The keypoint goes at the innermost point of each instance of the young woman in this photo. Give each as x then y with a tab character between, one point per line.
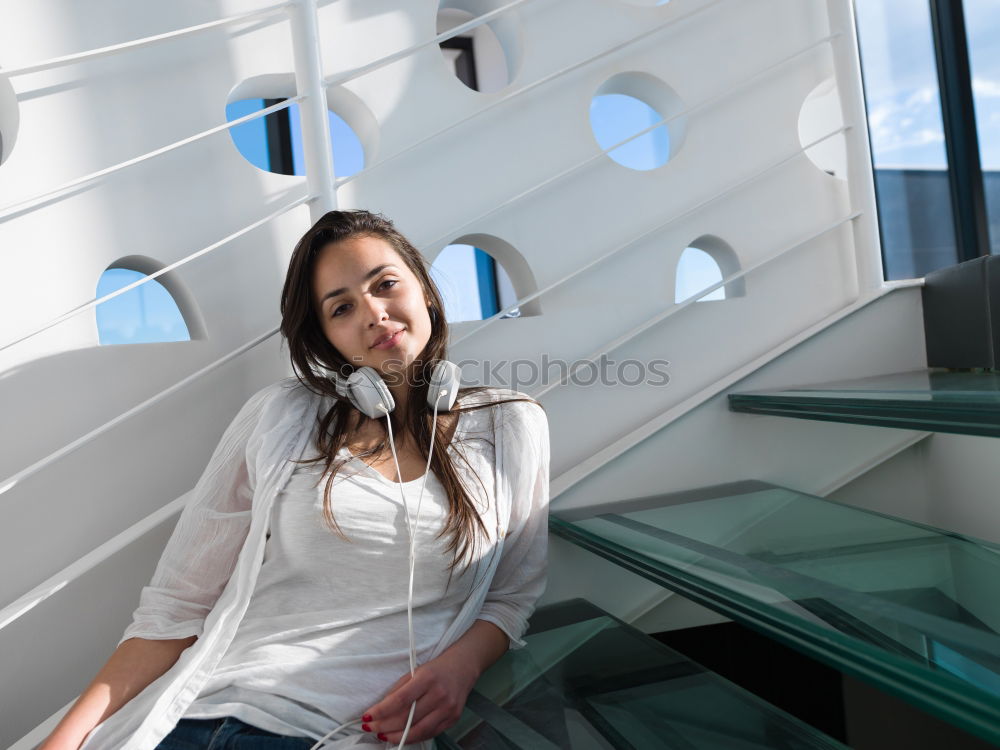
280	609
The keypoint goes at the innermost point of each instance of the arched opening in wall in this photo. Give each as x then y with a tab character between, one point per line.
486	58
479	275
820	115
705	262
629	103
273	143
9	118
157	311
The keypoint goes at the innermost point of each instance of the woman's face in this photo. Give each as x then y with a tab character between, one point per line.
364	293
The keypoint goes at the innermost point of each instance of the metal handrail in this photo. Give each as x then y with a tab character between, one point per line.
21	206
38	465
457	231
42	463
349	75
612	253
706	103
113	49
56	582
166	269
678	307
530	87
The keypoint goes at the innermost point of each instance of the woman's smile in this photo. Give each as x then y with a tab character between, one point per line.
391	342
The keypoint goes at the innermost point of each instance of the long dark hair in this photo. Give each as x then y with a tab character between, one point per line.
309	349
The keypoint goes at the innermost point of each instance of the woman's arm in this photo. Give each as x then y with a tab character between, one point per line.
476	651
133	666
440	687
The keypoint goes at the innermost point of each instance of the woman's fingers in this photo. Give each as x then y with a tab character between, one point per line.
396	721
428	727
390	714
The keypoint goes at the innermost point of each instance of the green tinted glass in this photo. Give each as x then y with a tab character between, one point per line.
936	401
907	607
588	681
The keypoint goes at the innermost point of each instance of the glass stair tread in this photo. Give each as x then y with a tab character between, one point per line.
907	607
588	681
967	403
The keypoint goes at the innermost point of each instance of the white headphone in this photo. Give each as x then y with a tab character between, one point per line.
366	390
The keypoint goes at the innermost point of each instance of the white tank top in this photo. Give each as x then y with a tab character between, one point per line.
325	631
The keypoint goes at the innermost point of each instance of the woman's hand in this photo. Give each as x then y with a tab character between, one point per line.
440	688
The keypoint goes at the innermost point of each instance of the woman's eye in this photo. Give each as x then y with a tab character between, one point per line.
393	282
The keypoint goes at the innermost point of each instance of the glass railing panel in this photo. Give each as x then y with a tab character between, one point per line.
909	607
588	681
933	400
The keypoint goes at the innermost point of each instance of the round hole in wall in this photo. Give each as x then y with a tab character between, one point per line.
486	58
630	103
9	117
159	310
821	115
705	262
274	143
479	275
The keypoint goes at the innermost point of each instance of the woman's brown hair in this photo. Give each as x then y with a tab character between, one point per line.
311	352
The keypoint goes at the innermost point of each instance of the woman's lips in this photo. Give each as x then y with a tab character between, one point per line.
390	342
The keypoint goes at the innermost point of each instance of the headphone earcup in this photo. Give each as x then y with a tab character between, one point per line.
446	379
366	390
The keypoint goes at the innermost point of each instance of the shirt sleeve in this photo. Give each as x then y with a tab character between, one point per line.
521	572
201	553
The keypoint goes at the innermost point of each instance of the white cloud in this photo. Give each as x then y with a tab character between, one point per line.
985	88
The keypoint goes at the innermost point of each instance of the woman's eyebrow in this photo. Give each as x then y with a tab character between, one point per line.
371	274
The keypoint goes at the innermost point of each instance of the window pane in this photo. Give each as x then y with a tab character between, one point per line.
907	136
982	22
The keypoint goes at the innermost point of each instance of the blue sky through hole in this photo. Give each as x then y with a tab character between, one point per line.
615	117
251	139
697	270
145	314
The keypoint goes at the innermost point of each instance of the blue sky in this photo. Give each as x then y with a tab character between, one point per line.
904	110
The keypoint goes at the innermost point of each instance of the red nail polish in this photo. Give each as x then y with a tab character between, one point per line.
366	717
381	736
366	727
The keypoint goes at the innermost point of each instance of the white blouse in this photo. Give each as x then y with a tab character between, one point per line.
214	561
326	628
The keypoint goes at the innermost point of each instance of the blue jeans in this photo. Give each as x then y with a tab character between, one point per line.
228	733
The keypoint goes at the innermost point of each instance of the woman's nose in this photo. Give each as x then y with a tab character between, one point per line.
376	310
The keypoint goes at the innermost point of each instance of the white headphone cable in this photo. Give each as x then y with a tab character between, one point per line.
409	601
402	495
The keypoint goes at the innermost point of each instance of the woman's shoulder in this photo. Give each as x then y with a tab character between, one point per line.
477	395
516	407
277	398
